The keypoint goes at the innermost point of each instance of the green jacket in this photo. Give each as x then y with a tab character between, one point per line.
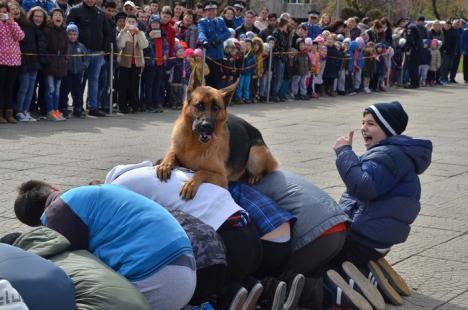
97	287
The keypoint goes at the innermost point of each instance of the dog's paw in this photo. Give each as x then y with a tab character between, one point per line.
163	171
253	179
189	190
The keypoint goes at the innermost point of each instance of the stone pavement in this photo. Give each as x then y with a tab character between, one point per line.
434	260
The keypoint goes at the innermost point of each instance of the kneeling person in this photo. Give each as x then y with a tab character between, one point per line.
130	233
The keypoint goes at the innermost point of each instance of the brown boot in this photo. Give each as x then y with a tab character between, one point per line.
2	119
9	116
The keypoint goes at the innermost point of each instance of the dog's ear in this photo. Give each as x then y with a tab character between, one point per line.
194	82
228	93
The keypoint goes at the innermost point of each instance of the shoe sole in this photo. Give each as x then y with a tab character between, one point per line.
369	291
239	299
354	298
280	296
295	292
398	283
253	297
384	285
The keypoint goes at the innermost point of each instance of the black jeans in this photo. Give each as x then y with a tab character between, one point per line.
465	67
129	79
413	70
243	251
446	66
8	76
72	83
210	280
354	252
455	64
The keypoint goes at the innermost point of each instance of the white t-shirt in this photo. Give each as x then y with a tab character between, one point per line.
212	204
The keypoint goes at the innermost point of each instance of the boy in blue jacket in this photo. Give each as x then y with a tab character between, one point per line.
382	185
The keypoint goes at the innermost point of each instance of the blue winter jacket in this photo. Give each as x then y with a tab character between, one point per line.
464	41
313	31
47	5
352	48
214	32
130	233
383	189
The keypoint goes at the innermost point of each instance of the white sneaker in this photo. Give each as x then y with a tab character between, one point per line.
367	90
29	117
20	117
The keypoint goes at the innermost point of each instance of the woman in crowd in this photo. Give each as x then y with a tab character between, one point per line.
228	17
186	30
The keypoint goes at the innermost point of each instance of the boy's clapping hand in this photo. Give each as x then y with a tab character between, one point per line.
342	141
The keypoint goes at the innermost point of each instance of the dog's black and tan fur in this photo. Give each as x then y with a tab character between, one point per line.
217	146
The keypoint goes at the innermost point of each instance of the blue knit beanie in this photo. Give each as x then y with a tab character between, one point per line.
390	116
72	27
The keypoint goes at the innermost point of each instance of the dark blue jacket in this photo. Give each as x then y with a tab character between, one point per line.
383	189
41	284
425	56
77	64
47	5
313	31
464	41
214	32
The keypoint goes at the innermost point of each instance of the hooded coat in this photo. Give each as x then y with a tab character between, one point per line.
383	188
97	287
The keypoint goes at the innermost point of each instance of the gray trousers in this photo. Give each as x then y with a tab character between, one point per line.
298	85
171	287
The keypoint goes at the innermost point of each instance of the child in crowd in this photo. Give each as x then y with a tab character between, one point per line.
243	89
381	67
344	86
73	82
369	69
356	63
195	57
425	62
314	57
397	63
179	71
131	41
232	61
257	49
57	67
435	63
318	79
267	47
301	70
155	58
332	67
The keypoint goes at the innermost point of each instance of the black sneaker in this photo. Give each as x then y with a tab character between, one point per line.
274	294
79	114
338	292
362	285
97	113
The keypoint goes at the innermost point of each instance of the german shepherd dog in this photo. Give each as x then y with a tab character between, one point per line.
219	147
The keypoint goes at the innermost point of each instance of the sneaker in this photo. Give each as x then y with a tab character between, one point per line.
29	117
59	116
362	285
97	113
395	280
238	299
295	285
52	116
274	294
367	90
79	114
20	117
376	275
315	95
339	293
255	289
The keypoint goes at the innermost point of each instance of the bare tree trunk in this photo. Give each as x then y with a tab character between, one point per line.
434	9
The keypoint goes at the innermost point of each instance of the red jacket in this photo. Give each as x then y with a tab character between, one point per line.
169	30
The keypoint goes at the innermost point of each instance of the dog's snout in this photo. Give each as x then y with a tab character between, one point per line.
206	126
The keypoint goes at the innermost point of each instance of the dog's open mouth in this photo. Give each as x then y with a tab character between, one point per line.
204	137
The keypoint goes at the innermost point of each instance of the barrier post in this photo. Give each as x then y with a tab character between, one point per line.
111	77
269	75
203	67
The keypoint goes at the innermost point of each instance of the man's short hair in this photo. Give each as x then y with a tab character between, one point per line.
166	10
30	203
272	15
110	4
250	12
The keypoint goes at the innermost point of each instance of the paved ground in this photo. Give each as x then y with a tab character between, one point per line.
434	260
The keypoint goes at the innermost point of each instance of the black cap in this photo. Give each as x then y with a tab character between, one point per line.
390	116
120	15
421	18
210	4
314	13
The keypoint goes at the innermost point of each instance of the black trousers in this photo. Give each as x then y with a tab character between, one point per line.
8	76
214	78
465	67
129	79
210	281
354	252
243	252
455	64
413	70
275	255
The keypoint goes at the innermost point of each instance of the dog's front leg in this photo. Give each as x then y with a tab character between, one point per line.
163	170
189	189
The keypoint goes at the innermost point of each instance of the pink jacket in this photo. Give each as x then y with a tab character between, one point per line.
10	35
